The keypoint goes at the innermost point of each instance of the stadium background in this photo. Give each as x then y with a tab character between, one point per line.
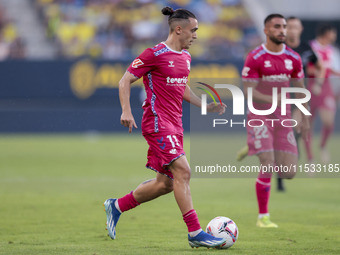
63	150
61	60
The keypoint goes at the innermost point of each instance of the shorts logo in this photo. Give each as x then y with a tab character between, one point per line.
137	62
291	138
173	151
289	64
257	144
162	146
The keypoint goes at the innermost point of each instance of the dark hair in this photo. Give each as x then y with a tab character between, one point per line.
178	14
272	16
323	28
291	18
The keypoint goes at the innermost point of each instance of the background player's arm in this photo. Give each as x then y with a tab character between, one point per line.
126	119
319	71
258	97
303	125
191	98
335	72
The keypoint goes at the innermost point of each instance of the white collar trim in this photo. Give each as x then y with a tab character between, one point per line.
274	53
179	52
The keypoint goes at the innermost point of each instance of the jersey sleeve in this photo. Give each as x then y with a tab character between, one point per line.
250	71
298	69
143	64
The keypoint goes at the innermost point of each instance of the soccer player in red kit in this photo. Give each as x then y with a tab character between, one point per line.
323	99
165	69
272	64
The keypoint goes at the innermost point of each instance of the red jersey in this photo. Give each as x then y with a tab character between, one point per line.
325	53
272	69
165	75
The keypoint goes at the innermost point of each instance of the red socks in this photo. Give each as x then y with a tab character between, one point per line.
127	202
263	191
191	219
308	145
326	132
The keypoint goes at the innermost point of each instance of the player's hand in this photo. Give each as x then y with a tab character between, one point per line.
127	120
303	127
220	108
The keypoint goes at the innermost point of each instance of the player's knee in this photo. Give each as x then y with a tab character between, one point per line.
268	162
168	188
287	175
165	187
328	124
182	173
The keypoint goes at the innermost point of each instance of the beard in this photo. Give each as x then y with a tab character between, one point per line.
275	40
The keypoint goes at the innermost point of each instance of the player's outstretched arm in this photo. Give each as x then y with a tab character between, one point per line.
303	126
190	97
126	119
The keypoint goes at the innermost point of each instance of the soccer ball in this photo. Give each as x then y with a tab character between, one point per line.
223	227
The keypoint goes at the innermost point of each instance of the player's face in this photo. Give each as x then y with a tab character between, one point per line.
276	30
294	29
189	33
331	36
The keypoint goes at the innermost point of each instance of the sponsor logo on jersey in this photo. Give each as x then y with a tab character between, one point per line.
177	81
267	63
137	62
171	64
276	77
289	64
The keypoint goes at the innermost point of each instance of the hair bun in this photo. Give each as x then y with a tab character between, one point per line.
167	11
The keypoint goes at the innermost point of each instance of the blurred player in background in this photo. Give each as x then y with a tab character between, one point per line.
323	98
165	69
308	57
293	40
272	65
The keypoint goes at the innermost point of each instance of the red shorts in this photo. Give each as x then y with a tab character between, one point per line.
270	137
163	150
326	99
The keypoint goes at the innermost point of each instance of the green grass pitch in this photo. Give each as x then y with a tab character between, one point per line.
52	189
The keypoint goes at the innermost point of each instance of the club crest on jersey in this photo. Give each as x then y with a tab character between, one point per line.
137	62
171	64
289	64
188	62
267	63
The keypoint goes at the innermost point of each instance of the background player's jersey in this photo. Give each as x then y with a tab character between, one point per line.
165	75
325	53
307	54
272	69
